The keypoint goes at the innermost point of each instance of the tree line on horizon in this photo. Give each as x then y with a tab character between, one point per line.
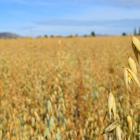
136	31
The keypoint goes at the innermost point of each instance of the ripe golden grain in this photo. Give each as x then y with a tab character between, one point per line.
132	65
112	106
136	43
134	77
43	97
136	47
127	78
130	124
119	133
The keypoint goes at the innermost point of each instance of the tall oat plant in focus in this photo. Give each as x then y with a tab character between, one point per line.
129	127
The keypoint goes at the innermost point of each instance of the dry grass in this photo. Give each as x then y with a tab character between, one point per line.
57	89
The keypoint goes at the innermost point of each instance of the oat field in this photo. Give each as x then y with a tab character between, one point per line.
68	89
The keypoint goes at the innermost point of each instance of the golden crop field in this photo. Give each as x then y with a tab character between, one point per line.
68	89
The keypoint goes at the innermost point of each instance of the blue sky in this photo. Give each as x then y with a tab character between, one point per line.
64	17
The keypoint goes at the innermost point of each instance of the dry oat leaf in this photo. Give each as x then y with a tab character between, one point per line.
111	127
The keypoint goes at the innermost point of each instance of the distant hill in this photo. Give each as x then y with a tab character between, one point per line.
8	35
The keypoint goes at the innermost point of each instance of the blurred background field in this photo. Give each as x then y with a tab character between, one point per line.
57	88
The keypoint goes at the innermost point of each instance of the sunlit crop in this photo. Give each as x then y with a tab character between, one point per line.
70	89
